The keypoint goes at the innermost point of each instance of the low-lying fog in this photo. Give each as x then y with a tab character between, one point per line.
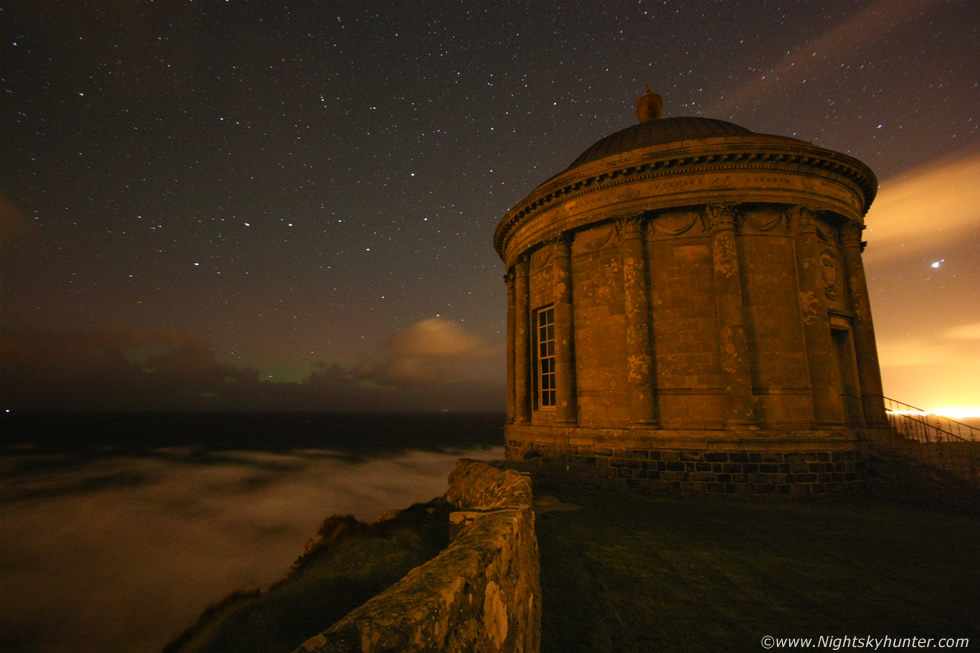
123	553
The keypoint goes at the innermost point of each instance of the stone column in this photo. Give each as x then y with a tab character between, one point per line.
566	398
511	308
865	348
639	341
522	387
732	341
828	407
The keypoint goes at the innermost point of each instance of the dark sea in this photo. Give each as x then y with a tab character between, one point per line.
118	530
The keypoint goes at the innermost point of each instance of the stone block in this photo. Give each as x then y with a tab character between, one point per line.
656	487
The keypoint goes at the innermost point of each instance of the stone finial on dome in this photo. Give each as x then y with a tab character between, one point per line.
649	107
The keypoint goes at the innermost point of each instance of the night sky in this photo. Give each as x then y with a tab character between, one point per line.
290	205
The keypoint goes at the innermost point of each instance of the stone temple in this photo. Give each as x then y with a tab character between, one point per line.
687	312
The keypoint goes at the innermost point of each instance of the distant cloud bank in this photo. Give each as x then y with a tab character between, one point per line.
423	367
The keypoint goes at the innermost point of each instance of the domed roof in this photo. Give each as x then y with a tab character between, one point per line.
658	132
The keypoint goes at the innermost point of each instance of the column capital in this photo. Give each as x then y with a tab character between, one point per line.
509	278
850	234
560	243
802	219
721	217
631	227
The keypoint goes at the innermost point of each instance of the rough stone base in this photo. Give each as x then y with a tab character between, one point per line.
699	462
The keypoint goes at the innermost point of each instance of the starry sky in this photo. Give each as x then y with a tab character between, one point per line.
290	205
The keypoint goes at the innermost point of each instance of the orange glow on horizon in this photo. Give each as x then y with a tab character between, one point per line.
951	412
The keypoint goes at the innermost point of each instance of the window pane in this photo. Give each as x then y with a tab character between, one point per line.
546	379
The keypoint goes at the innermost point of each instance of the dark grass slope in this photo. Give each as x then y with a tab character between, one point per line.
701	575
354	562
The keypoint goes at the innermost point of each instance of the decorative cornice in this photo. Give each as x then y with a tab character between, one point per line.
812	161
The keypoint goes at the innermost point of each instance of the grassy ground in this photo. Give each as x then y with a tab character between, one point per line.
355	562
702	575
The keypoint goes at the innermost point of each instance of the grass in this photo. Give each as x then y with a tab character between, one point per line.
356	562
631	574
702	575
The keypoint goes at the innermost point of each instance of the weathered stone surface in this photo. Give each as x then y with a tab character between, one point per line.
701	279
478	486
481	594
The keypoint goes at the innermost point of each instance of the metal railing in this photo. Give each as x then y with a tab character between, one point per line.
943	442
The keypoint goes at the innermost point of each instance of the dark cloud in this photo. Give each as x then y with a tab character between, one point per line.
113	369
422	368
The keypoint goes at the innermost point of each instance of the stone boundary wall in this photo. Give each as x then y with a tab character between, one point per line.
482	593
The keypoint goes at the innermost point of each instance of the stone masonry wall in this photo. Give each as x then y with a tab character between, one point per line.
799	470
481	594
